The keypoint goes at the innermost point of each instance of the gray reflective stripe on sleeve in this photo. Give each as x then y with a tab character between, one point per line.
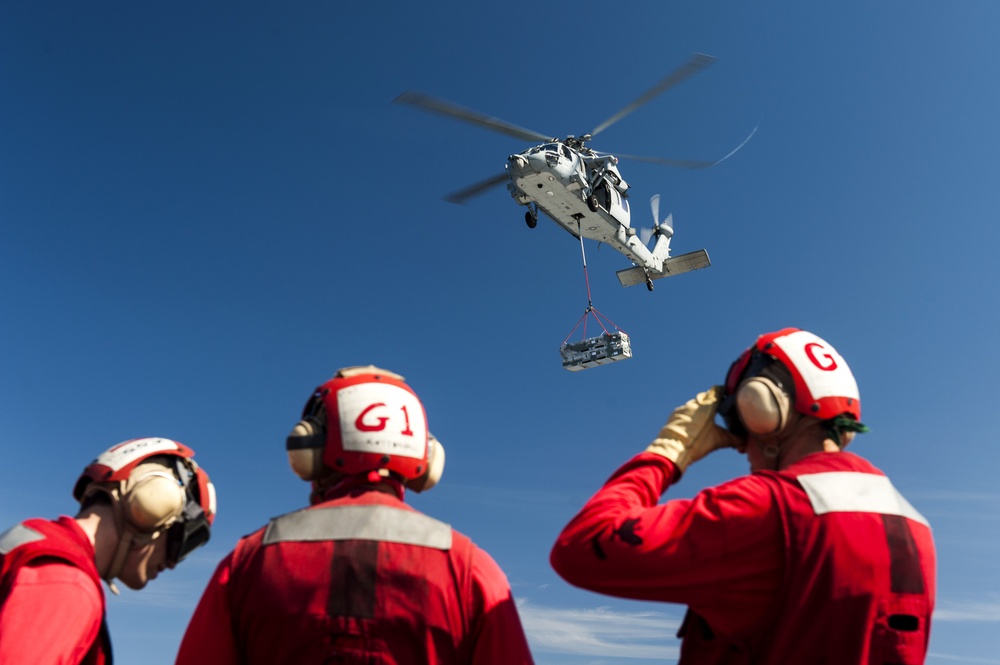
381	523
854	492
17	536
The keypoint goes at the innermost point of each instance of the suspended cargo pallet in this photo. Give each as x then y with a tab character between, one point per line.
606	348
593	351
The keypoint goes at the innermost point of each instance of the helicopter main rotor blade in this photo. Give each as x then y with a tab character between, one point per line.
690	163
697	62
737	148
478	188
450	109
682	163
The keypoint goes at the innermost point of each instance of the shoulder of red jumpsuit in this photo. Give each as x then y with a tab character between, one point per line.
820	462
63	541
369	496
353	496
739	493
488	575
751	490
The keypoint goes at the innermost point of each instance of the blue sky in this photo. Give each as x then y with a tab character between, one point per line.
206	210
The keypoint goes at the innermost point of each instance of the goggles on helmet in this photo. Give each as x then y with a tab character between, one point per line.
187	534
193	527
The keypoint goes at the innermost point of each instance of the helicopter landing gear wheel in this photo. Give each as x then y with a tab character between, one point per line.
649	284
531	219
592	203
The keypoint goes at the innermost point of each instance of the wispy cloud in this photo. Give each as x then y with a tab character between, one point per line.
600	631
935	657
987	610
180	595
603	632
956	496
960	504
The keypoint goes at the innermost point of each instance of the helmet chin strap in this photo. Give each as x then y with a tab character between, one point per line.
121	552
128	538
125	535
774	445
123	531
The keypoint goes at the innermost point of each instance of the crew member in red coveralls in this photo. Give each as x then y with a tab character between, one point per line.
812	558
358	577
144	505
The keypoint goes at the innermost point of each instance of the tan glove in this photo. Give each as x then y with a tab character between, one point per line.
691	432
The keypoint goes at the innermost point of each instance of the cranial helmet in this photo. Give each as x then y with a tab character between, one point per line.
790	371
364	420
155	487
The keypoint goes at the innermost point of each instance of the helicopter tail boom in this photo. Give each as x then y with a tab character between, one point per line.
675	266
661	249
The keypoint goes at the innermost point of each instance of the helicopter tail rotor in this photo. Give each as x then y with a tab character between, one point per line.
664	229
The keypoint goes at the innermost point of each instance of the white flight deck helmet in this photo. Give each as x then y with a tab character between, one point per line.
155	487
786	372
365	420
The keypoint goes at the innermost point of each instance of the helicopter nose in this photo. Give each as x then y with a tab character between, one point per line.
518	162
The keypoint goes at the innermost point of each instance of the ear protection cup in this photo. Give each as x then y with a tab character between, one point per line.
153	500
762	406
305	445
435	463
435	467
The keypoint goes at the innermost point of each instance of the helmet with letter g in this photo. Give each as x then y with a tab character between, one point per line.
366	422
156	490
785	382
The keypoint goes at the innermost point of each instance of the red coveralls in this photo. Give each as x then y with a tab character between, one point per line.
822	562
51	601
360	578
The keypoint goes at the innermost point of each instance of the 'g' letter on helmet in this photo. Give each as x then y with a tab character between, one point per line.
821	382
361	420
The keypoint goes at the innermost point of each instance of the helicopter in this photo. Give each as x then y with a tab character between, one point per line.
581	189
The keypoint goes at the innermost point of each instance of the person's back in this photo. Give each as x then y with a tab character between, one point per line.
857	580
340	581
144	505
51	602
359	576
812	558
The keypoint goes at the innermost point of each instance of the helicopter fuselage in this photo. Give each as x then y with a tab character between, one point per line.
583	192
580	188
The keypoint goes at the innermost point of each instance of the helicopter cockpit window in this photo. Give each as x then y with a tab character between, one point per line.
602	195
566	153
551	154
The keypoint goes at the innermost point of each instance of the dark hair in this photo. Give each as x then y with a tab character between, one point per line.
95	498
842	424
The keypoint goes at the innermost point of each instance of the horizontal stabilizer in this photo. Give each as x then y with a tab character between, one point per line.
675	266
